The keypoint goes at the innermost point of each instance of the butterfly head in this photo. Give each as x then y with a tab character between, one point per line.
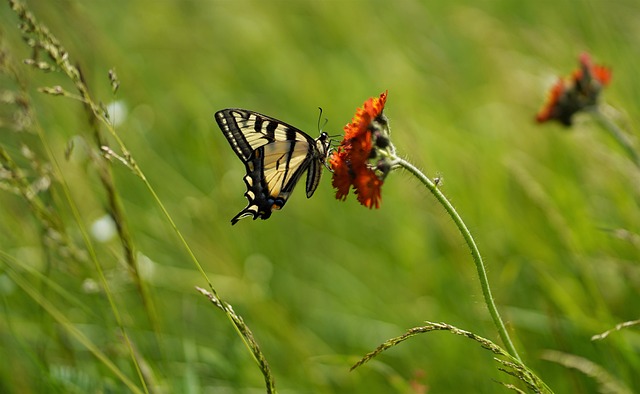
323	143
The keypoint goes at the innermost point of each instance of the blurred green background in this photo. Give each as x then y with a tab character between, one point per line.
323	282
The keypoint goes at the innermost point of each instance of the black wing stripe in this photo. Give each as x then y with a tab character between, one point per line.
270	131
229	126
291	136
314	174
257	125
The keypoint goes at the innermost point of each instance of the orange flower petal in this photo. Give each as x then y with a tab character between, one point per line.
360	150
342	179
375	105
602	74
555	93
367	186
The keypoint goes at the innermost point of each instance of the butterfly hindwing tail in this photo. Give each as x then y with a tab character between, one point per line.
260	204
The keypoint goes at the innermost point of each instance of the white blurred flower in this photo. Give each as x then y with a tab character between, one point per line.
117	111
103	229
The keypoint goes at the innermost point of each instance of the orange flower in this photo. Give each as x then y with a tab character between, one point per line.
351	162
580	91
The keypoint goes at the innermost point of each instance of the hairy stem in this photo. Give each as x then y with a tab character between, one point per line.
475	253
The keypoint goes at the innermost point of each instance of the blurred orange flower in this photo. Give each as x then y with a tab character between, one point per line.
581	90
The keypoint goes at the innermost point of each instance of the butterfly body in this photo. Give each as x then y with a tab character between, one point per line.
275	155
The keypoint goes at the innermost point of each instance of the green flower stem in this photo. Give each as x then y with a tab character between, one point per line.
617	133
482	273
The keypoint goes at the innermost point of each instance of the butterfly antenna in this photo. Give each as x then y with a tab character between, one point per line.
331	136
320	117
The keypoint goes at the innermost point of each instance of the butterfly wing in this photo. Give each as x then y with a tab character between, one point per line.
275	156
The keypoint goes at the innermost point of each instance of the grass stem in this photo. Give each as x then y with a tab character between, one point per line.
617	133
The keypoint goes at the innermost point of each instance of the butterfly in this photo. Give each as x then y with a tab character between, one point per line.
275	155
